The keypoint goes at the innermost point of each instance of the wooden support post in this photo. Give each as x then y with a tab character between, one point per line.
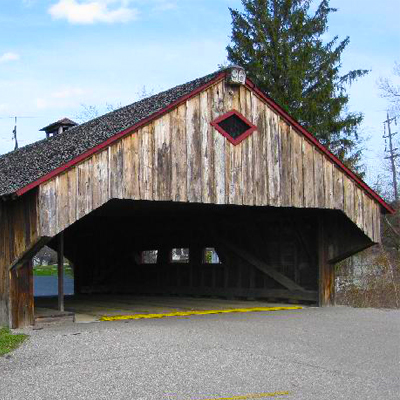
60	262
21	296
326	269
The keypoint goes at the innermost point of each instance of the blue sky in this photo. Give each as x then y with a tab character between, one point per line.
59	54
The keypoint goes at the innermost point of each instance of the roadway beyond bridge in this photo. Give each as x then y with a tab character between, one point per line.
314	353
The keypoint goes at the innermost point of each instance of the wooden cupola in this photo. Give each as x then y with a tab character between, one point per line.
59	126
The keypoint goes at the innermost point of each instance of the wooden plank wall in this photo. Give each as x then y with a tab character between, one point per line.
180	157
18	233
105	262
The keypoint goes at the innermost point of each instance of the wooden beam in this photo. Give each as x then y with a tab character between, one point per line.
262	266
60	262
30	253
351	252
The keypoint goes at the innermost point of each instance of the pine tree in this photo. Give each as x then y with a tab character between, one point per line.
281	45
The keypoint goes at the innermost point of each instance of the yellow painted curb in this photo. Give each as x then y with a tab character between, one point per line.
203	312
252	396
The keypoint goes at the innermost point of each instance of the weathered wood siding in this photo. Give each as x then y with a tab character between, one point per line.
18	233
181	157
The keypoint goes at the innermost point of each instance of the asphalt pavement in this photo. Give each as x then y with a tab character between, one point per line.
332	353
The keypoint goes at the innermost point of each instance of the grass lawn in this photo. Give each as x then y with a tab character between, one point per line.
51	270
9	342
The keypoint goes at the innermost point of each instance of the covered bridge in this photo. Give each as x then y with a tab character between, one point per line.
211	164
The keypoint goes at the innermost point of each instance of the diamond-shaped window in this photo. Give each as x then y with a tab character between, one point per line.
234	126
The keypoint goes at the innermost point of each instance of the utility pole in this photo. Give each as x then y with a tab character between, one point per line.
15	134
392	153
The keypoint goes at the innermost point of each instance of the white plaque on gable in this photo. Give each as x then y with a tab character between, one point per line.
236	76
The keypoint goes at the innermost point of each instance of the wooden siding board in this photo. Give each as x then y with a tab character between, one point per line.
63	215
349	188
193	150
136	167
377	229
367	215
130	150
88	186
338	190
211	152
85	200
247	178
100	180
368	218
52	227
260	159
116	170
80	211
308	175
328	183
44	202
162	172
127	168
273	159
146	146
72	196
297	169
207	172
219	144
319	180
358	206
286	165
179	156
250	111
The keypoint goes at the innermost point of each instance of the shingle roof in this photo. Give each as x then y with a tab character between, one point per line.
27	164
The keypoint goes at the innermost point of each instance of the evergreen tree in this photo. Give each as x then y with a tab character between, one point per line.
280	44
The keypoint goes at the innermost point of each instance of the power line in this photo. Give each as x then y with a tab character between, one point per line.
19	116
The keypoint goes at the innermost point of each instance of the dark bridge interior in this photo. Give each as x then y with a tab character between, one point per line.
141	247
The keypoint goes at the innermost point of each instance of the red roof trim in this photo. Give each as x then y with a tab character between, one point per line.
240	138
117	136
324	150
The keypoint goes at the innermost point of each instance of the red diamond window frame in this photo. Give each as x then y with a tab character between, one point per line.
240	138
